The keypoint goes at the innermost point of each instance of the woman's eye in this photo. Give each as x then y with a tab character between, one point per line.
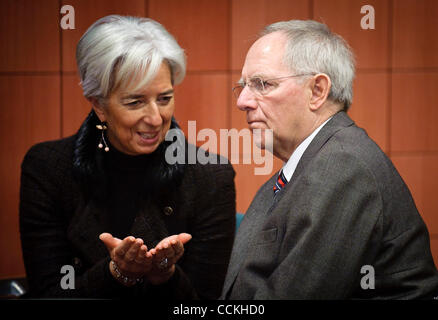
133	103
164	100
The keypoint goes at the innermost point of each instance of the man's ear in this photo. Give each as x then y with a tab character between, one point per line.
98	109
320	88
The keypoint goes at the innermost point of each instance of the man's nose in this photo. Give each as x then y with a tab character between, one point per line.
246	100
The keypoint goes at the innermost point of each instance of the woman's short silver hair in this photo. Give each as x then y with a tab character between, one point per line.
116	50
313	48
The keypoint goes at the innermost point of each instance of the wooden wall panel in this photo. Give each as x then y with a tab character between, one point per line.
370	108
201	27
30	33
420	173
415	43
203	98
30	114
250	16
75	107
414	112
86	13
344	17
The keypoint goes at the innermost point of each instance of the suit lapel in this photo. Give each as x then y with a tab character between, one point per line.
252	221
338	122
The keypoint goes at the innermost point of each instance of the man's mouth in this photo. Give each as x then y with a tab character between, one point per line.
256	124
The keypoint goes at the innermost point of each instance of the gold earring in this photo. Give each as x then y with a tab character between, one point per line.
102	127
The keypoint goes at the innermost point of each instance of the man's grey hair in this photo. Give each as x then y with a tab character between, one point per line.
313	48
117	50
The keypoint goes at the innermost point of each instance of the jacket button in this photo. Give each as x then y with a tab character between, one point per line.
77	262
168	211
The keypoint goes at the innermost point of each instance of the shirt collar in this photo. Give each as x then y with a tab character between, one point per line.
290	166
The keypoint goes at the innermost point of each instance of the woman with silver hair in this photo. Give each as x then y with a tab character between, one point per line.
102	213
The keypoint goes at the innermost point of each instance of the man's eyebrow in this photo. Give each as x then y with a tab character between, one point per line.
261	76
257	75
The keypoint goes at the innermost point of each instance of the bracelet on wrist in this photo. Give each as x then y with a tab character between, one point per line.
122	278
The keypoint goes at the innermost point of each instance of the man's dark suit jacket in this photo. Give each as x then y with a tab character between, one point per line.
345	207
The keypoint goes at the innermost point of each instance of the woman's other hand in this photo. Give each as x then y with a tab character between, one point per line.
167	252
130	256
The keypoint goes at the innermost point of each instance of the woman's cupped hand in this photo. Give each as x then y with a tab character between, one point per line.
134	260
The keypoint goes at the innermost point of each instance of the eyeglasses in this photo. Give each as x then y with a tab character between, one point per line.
260	86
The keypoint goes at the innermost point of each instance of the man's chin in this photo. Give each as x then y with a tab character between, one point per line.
263	139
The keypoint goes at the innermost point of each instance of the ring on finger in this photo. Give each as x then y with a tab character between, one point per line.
163	264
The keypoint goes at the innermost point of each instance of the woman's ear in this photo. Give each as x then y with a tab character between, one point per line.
98	109
320	87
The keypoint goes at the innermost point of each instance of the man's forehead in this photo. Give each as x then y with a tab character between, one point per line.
265	56
269	43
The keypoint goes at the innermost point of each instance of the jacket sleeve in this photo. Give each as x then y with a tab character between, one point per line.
43	231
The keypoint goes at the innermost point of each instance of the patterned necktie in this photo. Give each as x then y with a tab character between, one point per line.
281	182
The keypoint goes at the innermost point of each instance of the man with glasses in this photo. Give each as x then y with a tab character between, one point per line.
337	222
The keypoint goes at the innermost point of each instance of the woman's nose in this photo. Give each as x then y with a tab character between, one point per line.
152	115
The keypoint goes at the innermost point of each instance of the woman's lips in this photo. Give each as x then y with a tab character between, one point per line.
148	137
